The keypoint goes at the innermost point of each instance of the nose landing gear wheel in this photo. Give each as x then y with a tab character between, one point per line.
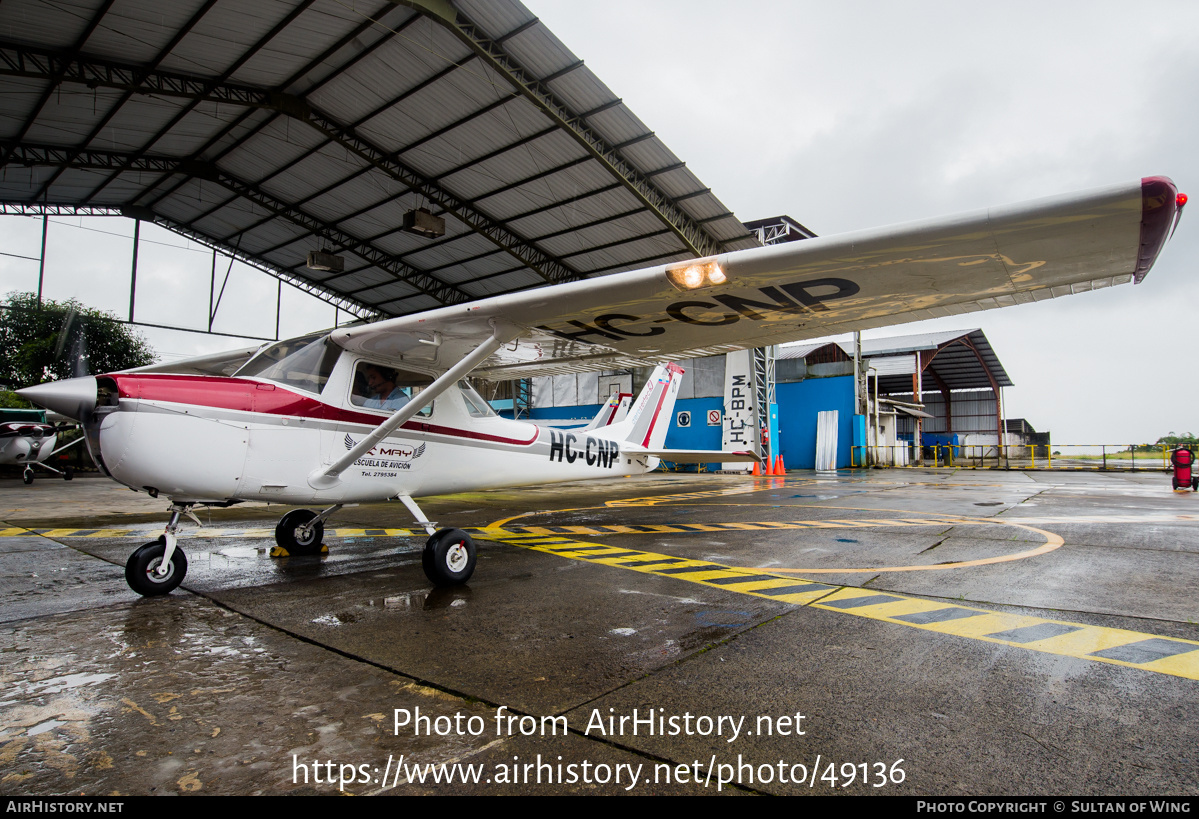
289	536
449	557
27	476
141	570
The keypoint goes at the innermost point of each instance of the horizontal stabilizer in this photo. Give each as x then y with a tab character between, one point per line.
697	456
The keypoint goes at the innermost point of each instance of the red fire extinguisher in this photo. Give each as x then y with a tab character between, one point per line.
1184	473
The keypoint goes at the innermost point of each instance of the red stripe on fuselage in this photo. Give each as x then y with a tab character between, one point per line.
267	399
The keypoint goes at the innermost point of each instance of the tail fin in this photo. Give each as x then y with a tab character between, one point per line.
612	412
649	420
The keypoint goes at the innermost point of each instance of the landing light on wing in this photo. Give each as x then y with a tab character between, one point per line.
696	275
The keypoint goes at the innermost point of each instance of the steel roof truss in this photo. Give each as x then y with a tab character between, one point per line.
107	160
693	236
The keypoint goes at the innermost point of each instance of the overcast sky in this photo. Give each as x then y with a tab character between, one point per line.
846	116
854	115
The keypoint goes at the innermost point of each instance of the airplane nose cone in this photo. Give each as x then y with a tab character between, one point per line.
72	397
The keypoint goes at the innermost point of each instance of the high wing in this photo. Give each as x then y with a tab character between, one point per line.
800	290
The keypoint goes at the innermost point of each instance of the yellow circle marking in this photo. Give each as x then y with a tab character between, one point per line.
1052	542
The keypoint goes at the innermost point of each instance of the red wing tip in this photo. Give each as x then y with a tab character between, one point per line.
1159	207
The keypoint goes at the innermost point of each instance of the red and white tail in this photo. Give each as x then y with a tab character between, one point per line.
612	412
648	420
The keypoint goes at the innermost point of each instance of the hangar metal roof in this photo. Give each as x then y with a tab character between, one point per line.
957	359
271	128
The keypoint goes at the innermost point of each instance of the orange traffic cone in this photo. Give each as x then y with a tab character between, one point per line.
780	468
757	468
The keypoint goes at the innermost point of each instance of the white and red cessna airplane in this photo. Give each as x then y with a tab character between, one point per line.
381	411
27	439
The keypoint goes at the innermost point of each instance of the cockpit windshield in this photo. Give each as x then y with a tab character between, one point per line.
304	363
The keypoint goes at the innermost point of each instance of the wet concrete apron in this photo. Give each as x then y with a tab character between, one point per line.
938	633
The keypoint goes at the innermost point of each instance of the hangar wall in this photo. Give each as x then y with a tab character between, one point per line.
578	398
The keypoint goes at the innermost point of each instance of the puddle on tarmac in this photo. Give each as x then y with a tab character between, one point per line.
239	551
56	685
41	728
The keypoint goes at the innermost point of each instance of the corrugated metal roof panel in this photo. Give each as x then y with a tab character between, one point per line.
891	365
395	85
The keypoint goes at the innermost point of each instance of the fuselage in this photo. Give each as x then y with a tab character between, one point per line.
215	439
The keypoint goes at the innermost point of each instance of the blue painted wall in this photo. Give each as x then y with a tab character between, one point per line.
582	413
798	404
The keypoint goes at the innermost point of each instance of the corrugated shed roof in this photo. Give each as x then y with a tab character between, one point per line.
959	359
271	128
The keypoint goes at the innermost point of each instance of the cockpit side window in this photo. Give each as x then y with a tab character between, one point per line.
475	405
304	363
379	387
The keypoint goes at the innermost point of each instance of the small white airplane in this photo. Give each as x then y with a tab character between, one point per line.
381	411
27	439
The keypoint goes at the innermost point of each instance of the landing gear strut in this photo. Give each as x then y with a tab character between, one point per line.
160	566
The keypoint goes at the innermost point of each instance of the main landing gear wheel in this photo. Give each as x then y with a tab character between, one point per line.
449	557
289	536
67	473
141	570
27	476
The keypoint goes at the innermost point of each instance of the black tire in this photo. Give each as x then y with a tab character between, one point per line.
1175	482
67	473
27	476
287	536
449	557
141	566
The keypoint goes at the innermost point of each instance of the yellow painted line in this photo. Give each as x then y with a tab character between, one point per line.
759	485
951	619
15	532
1127	648
1052	542
1089	640
661	565
1081	642
1177	666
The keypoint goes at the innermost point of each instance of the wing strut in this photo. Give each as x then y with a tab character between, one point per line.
501	333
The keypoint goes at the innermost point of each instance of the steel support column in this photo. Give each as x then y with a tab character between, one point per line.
765	397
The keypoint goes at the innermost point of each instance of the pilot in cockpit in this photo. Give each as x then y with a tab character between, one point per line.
381	384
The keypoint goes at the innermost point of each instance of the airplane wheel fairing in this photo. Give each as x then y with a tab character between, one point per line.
142	566
287	533
27	475
449	557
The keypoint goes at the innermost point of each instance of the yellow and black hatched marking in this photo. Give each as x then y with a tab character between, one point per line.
740	526
744	581
1165	655
627	529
